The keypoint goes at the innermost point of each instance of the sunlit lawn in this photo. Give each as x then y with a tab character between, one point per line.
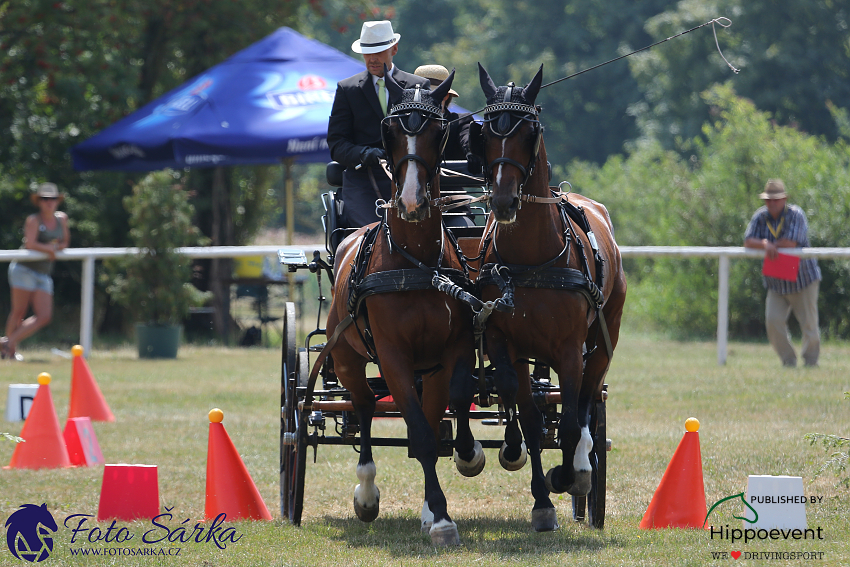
753	412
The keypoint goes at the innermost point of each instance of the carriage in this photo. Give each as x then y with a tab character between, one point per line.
317	409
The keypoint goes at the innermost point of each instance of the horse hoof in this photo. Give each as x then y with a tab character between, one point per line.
581	486
473	467
367	513
544	520
550	481
444	533
426	527
513	465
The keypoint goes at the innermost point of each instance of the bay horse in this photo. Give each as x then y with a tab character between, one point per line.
563	304
385	308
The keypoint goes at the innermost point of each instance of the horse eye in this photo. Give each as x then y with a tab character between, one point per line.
504	123
414	121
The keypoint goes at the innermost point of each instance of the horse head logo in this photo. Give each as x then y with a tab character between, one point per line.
29	533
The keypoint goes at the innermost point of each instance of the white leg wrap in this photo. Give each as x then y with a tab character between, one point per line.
581	461
427	518
366	493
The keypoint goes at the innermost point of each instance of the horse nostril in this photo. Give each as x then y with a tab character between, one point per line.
514	203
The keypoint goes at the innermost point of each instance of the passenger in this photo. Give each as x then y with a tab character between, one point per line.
457	146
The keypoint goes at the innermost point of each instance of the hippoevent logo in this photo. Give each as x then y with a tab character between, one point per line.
29	533
31	529
752	534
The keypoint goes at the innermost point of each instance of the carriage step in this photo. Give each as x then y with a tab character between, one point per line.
317	347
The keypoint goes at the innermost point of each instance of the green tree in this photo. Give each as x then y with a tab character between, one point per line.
658	198
794	58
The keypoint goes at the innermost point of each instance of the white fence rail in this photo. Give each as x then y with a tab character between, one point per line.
723	254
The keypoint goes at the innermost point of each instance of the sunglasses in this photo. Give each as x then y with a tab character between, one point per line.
49	198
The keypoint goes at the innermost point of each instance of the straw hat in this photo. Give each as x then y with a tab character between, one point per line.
436	74
49	190
375	37
773	189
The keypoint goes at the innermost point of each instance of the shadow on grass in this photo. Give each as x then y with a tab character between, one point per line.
400	536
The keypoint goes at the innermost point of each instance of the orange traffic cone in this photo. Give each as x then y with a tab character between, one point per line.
230	489
679	501
43	447
86	399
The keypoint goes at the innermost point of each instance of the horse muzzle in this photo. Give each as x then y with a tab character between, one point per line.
415	212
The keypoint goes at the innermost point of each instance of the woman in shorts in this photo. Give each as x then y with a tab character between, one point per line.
32	286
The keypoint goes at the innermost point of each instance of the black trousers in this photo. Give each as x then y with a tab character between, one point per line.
359	196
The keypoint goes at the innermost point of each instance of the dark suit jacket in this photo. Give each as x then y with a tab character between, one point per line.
355	120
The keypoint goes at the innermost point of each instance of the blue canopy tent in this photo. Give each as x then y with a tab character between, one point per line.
266	103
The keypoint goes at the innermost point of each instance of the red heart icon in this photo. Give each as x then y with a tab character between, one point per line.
735	554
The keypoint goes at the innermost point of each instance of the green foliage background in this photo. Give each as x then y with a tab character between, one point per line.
674	143
657	197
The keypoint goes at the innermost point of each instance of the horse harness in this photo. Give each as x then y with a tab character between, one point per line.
547	275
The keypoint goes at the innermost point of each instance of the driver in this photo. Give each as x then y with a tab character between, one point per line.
354	127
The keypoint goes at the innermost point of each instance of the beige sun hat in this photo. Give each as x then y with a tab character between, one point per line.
48	190
773	189
436	74
375	37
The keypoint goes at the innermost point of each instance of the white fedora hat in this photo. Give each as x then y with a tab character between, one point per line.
375	37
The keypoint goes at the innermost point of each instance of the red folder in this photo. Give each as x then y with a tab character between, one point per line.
784	267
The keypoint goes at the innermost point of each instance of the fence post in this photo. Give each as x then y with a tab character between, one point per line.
722	309
87	304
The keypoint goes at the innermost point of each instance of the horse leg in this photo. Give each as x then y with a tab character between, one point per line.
351	370
543	515
422	431
468	453
574	474
513	454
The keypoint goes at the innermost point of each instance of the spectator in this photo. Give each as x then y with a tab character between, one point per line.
32	286
779	225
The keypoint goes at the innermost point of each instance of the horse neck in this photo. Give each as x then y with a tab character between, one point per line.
422	240
536	235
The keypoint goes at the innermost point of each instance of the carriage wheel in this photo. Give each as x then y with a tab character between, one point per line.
596	498
292	435
294	465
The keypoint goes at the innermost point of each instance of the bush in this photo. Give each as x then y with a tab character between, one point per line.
154	285
707	199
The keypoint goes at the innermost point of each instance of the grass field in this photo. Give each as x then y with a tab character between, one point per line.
753	412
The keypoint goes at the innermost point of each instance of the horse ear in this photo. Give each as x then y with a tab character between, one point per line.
531	90
439	93
394	89
487	84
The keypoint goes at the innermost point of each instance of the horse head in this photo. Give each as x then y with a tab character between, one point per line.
414	135
509	141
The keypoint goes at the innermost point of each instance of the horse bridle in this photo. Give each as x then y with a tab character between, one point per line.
410	118
498	117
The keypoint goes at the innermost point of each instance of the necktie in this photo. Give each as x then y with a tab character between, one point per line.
382	96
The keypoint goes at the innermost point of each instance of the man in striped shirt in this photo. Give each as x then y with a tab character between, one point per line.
780	225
